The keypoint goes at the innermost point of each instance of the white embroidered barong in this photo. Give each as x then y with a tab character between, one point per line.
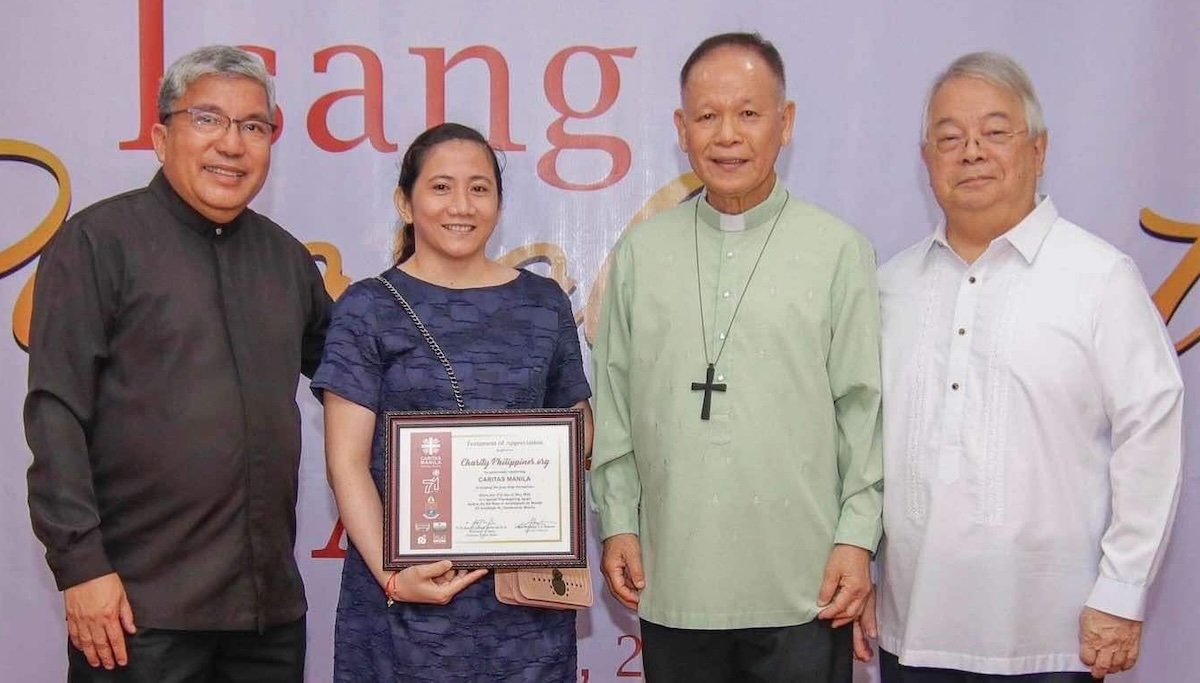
1032	447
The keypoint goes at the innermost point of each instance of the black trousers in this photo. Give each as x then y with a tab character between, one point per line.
165	656
891	671
809	653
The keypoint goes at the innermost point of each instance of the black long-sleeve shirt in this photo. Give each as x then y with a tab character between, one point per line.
164	358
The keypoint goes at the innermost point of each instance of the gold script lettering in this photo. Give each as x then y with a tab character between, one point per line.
1171	293
542	252
674	192
17	255
325	253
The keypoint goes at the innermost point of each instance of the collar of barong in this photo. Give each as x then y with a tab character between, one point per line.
763	214
1026	236
161	188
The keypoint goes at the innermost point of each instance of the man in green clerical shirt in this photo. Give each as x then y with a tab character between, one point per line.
737	470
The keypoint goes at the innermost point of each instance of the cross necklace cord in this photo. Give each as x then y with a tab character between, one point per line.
707	386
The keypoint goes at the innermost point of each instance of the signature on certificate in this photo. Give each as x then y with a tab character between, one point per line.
534	525
482	528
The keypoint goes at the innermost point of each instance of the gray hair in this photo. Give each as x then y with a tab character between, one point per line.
999	70
213	60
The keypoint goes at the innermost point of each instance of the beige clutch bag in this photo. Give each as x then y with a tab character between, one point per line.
546	588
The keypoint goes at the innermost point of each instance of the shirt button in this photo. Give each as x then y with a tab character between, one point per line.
954	386
729	254
962	331
219	231
721	336
725	294
971	279
720	378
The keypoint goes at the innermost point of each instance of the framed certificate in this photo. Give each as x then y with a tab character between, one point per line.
484	489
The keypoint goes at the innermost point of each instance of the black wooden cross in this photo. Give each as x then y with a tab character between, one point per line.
707	387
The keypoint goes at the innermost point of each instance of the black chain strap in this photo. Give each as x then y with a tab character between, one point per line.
437	350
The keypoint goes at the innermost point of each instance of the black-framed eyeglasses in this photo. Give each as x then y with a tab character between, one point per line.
211	124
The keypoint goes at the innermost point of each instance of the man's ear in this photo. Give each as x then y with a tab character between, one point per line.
1040	143
158	136
681	129
789	120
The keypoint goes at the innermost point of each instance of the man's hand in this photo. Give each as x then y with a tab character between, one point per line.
865	630
622	566
98	617
846	586
1107	643
435	583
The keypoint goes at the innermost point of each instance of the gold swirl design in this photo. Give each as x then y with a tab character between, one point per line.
328	255
542	252
1171	293
671	194
17	255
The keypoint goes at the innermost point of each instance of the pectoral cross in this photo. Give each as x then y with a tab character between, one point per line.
707	387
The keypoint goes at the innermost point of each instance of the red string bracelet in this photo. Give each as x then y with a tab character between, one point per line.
387	590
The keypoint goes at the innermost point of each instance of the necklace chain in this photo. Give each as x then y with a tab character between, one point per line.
741	297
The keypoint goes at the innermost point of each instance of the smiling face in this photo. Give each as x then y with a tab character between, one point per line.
217	176
992	175
455	202
733	122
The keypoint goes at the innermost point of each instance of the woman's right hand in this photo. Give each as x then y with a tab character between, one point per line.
432	584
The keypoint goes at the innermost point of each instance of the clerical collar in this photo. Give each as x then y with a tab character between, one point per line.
733	222
763	214
184	213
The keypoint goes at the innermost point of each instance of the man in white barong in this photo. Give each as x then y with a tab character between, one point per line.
1032	420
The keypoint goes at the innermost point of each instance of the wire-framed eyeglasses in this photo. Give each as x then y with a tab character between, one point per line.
954	141
211	124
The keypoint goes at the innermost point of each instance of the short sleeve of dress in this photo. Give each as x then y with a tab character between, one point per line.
566	383
350	364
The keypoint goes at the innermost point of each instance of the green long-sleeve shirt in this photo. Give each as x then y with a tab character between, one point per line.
737	514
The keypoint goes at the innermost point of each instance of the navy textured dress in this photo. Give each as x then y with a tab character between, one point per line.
513	345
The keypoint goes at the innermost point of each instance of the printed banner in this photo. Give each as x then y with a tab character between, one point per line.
579	96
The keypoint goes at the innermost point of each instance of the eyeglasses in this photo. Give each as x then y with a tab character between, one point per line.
210	124
993	139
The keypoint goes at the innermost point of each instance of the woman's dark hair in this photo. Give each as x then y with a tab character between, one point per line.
414	162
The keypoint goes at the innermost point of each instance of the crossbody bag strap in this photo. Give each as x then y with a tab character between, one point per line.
437	350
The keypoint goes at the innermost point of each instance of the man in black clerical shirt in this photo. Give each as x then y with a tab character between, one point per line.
170	327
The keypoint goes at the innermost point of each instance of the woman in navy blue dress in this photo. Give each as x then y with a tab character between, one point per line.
511	338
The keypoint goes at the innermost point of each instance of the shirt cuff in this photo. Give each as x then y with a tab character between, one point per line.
615	521
1119	599
83	561
859	531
